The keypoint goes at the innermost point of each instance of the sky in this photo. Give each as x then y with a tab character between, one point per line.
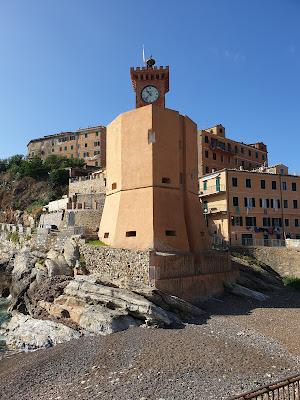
64	65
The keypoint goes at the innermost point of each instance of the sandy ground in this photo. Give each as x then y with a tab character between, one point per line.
240	345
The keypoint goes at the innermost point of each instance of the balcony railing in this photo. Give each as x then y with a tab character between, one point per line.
213	189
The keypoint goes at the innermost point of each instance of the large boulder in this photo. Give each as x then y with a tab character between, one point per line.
71	252
58	266
21	278
25	332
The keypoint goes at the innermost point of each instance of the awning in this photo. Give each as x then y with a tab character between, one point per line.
206	178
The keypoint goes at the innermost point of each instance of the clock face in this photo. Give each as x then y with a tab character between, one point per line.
150	94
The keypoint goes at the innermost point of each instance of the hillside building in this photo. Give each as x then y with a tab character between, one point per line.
88	144
216	152
262	204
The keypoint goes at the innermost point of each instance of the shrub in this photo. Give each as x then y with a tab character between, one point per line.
292	282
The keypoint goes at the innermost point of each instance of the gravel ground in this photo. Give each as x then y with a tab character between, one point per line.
239	346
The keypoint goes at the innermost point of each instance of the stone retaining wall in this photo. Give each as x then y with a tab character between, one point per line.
285	261
117	263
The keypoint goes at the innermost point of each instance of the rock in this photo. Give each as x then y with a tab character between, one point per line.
242	291
21	279
71	252
58	266
25	332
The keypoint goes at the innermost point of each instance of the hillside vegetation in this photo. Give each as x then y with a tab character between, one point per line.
26	185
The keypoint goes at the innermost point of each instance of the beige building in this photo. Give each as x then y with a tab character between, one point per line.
217	152
88	144
244	205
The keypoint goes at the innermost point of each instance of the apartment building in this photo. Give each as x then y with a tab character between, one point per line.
88	144
216	152
242	205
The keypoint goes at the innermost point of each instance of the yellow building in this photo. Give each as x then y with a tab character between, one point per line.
88	144
217	152
241	205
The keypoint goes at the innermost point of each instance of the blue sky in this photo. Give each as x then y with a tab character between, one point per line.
64	64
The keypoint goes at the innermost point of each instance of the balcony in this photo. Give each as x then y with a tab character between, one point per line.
213	189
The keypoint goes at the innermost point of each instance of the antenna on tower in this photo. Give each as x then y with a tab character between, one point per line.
144	58
149	61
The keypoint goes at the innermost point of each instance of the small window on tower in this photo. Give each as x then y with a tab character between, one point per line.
106	235
114	186
130	233
170	233
166	180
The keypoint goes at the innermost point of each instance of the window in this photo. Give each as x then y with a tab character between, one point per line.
277	222
214	156
286	222
248	183
256	154
96	152
262	184
85	144
294	186
295	203
285	204
222	159
263	157
249	202
206	153
165	180
296	222
85	135
206	170
96	144
228	146
264	203
106	235
234	181
65	148
237	221
170	233
60	149
266	221
277	203
250	221
130	233
236	150
114	186
274	185
284	186
206	139
97	133
235	201
72	147
242	150
249	152
205	185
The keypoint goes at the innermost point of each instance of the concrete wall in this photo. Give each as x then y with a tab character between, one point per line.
87	185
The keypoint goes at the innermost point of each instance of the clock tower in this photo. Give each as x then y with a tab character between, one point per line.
150	84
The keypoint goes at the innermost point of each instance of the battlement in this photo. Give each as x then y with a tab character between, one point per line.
150	74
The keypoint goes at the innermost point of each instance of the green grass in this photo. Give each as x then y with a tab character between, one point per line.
292	282
96	243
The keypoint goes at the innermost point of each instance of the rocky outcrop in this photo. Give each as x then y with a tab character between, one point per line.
50	304
25	332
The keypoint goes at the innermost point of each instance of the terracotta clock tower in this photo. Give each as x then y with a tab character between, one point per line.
150	84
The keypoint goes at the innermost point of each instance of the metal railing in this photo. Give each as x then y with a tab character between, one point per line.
211	189
261	242
288	389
